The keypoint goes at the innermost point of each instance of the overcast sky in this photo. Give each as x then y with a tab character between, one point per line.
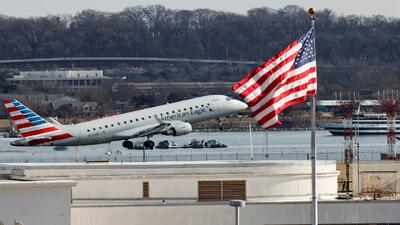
28	8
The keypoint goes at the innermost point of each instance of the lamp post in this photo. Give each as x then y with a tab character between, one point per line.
237	204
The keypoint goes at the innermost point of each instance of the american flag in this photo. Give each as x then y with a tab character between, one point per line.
284	80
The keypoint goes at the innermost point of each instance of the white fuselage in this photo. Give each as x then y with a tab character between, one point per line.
123	126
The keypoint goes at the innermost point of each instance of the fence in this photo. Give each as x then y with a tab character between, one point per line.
150	156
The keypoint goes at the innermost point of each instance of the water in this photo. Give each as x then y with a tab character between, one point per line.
273	145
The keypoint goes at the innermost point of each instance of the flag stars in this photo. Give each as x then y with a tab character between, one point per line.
307	52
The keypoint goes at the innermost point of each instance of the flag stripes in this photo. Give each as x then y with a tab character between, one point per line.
285	79
256	74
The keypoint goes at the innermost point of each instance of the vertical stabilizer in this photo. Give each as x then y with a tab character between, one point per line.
27	122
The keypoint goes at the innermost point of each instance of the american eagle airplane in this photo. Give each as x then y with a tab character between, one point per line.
169	119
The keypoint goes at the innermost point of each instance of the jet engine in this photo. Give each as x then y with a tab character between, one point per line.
178	128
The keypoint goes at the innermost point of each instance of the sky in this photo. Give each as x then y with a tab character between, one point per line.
29	8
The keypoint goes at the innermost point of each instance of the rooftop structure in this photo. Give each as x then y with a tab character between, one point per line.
193	180
155	193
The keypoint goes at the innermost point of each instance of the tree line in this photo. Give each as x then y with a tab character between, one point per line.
157	31
353	52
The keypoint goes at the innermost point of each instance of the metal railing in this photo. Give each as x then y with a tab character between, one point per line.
137	156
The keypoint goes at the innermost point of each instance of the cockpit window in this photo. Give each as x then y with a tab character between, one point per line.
228	99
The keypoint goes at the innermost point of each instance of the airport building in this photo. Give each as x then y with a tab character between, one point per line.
187	193
70	79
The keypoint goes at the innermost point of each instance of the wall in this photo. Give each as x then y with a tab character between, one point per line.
379	178
35	202
331	212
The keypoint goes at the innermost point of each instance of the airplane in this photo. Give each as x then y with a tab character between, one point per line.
170	119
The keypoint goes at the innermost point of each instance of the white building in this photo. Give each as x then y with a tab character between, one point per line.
60	78
184	193
191	181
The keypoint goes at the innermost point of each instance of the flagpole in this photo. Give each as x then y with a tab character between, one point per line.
251	143
314	207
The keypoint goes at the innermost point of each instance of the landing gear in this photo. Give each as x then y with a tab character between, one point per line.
148	144
127	144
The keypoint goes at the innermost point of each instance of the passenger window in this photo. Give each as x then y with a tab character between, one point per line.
149	117
190	108
179	110
137	120
167	113
184	109
119	123
88	130
100	128
202	105
131	121
208	104
94	128
142	118
112	125
196	106
124	122
106	126
173	111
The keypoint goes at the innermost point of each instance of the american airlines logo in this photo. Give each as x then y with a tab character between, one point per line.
181	115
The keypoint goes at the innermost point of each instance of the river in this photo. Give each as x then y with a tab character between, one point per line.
274	145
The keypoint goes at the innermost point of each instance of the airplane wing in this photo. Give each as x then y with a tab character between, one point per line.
172	127
150	130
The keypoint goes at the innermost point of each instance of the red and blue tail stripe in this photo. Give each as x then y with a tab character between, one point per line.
28	122
31	124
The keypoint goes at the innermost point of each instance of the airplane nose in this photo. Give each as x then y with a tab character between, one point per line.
19	142
240	105
14	143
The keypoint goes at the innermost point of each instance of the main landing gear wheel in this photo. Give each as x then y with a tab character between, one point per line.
127	144
148	144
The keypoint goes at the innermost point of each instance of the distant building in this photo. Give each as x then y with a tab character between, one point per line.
77	107
56	104
71	79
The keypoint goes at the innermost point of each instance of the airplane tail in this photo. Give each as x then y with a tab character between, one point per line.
27	122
